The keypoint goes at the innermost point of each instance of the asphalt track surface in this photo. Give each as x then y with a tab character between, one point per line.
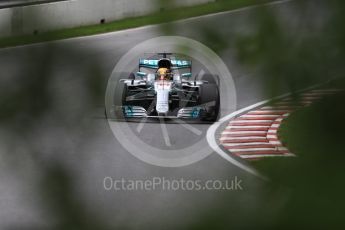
88	149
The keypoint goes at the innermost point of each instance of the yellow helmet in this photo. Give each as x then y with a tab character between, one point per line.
162	73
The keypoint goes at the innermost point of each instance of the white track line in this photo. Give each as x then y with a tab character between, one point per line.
250	121
248	127
262	112
259	116
244	132
274	142
272	131
242	138
251	149
268	155
246	144
279	108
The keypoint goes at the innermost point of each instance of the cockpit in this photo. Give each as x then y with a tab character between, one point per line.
164	69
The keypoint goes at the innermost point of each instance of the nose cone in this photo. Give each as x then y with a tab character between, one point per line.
162	105
162	89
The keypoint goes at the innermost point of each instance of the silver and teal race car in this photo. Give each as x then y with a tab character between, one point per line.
165	88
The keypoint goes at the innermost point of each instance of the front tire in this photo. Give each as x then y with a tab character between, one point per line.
210	98
119	100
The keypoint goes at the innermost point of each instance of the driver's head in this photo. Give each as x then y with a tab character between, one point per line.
163	73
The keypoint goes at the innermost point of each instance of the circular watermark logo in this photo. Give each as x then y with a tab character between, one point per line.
169	144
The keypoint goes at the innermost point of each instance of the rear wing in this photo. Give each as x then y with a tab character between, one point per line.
153	64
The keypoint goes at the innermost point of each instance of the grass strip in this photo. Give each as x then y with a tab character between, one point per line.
151	19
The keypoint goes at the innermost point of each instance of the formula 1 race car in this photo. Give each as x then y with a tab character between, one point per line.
163	88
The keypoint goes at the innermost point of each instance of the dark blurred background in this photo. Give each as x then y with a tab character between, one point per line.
53	129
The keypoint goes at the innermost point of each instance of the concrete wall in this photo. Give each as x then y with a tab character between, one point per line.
74	13
5	22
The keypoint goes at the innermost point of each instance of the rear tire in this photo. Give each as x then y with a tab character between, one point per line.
209	94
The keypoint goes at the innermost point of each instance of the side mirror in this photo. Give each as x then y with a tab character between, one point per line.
151	78
141	74
188	75
177	78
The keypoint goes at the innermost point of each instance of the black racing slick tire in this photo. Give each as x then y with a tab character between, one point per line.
210	98
119	100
